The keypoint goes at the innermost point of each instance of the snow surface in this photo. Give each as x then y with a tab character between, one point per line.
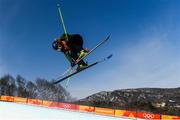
14	111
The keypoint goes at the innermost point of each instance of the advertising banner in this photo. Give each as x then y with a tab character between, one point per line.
50	104
35	101
125	113
20	100
168	117
148	116
68	106
104	111
7	98
86	108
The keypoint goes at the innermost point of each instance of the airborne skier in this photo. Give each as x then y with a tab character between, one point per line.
80	61
72	47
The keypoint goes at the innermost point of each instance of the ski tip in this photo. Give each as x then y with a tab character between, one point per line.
54	82
110	56
108	36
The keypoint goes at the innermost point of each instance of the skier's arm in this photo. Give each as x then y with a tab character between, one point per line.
66	37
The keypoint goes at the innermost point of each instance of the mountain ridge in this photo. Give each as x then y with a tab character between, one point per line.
156	100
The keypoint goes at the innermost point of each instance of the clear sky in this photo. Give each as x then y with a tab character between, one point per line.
145	41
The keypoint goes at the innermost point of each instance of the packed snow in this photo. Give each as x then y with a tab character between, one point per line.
15	111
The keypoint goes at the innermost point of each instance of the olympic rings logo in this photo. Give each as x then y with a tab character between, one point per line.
67	106
148	116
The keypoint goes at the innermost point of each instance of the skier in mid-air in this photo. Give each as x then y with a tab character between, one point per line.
72	47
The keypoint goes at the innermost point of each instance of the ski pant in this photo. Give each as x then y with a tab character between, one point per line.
75	43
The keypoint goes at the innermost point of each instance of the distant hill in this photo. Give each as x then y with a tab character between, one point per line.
156	100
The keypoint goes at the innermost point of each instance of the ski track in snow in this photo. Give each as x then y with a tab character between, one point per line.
15	111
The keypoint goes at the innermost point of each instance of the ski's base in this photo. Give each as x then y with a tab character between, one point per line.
78	71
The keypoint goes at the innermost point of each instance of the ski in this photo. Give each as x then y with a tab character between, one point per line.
102	42
78	71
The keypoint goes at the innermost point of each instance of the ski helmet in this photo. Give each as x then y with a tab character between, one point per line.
56	45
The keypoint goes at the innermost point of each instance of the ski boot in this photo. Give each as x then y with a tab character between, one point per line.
83	53
81	66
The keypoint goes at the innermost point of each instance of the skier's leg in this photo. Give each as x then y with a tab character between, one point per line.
82	64
76	45
74	56
78	41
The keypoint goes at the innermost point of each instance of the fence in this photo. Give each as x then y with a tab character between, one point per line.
96	110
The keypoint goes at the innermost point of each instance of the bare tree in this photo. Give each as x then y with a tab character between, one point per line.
7	85
48	91
31	89
21	86
41	89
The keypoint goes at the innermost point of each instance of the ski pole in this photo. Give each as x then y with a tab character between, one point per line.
62	20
